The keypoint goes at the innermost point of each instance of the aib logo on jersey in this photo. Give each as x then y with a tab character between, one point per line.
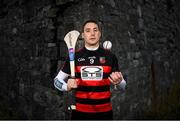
102	60
91	73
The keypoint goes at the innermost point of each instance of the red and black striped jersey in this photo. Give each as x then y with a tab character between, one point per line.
92	69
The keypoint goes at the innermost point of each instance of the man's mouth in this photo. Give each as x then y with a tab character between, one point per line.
92	38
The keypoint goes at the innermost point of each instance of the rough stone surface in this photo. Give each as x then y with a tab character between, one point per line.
145	37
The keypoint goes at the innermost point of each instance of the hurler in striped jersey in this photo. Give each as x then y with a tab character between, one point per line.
95	70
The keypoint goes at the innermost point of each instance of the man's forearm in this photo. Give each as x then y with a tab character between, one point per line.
122	84
59	81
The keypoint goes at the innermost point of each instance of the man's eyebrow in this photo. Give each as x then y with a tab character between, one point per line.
92	28
86	28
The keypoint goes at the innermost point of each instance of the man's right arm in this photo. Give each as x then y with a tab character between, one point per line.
59	81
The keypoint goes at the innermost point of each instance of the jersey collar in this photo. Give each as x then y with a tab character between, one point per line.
92	49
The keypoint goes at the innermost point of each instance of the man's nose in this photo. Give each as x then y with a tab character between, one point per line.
92	33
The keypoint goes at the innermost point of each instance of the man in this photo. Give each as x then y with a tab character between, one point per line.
96	69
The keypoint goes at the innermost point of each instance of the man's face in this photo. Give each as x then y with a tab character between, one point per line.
91	34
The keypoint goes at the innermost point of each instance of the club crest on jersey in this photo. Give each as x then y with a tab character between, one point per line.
102	60
91	73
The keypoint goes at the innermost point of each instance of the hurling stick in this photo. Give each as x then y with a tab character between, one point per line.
70	40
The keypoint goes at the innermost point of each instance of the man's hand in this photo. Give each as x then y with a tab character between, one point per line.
115	77
72	83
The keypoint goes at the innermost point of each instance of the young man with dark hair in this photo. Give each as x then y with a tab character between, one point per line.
95	70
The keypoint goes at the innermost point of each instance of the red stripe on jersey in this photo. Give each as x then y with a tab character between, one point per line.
93	95
93	108
106	69
93	82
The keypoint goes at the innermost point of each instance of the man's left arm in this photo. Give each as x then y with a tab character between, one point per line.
116	78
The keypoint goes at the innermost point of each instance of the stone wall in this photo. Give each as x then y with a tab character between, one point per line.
145	37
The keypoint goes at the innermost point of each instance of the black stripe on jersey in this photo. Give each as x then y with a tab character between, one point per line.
93	88
93	101
77	115
105	75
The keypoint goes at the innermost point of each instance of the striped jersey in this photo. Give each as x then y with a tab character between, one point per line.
92	69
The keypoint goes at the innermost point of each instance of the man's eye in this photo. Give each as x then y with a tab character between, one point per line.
87	30
95	30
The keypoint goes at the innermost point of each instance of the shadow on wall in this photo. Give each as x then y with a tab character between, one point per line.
165	105
168	107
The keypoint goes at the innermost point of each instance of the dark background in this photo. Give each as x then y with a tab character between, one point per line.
145	36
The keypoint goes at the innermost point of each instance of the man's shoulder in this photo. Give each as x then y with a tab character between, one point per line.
79	50
107	52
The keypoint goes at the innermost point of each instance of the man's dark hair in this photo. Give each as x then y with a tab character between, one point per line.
90	21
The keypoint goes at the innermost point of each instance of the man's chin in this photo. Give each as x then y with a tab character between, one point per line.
92	44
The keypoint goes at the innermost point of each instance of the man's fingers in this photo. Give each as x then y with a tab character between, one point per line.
72	83
119	74
115	77
111	80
